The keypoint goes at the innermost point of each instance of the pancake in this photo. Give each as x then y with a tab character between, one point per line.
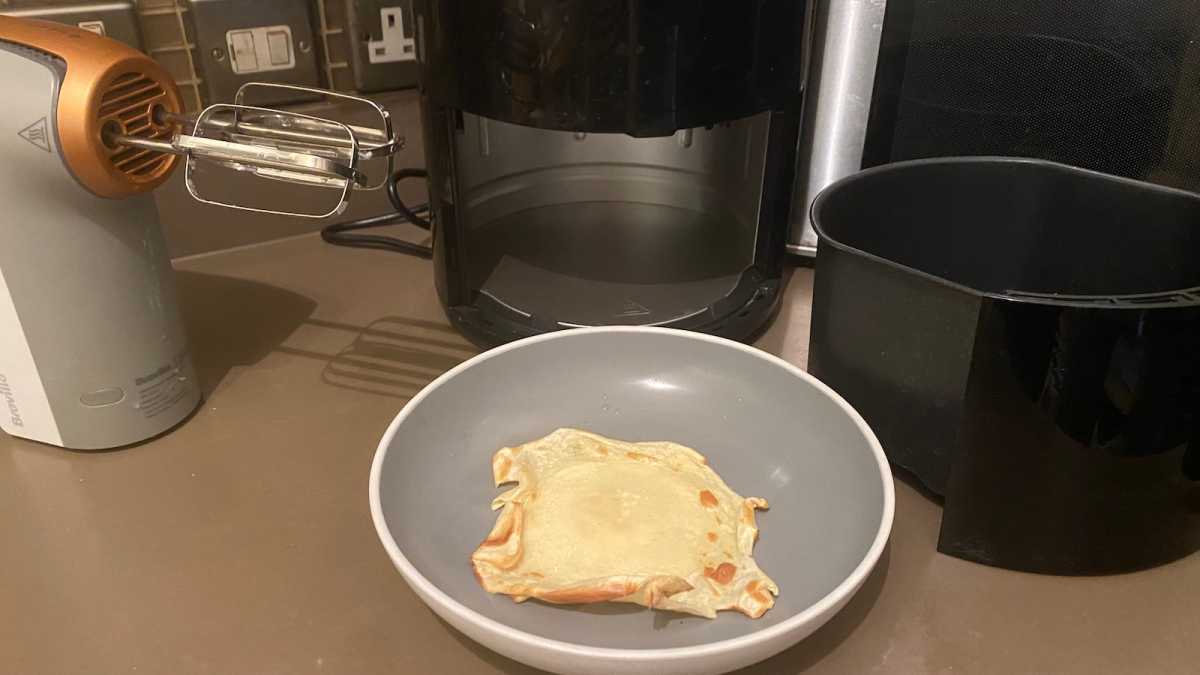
593	519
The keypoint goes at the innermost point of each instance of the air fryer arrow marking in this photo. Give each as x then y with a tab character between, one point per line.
37	134
632	308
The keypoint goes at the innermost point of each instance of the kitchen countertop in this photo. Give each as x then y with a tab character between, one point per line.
241	542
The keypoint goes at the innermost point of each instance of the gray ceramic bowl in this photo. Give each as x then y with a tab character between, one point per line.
767	427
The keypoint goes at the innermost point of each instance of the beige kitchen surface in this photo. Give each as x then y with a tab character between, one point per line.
241	542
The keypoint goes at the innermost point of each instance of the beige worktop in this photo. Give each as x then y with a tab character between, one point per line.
241	542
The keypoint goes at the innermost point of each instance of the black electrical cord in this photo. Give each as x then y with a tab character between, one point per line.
338	233
394	196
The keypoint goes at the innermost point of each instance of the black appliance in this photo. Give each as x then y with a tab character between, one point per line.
602	162
1107	85
1023	336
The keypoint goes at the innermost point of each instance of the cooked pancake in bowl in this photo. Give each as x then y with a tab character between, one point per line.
593	519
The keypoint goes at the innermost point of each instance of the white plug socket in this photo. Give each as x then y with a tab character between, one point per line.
395	45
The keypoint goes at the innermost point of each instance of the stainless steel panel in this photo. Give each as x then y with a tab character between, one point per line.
842	76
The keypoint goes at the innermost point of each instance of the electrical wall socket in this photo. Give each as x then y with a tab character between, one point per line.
398	43
382	37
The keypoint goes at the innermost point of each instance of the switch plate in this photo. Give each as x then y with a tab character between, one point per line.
240	41
260	49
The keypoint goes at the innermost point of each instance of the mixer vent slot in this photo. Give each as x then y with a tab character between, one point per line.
130	100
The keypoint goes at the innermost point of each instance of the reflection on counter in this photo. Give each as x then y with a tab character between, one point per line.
392	356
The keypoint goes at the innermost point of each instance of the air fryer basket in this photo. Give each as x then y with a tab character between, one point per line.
1023	336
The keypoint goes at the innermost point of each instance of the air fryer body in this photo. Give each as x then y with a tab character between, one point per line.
601	162
92	350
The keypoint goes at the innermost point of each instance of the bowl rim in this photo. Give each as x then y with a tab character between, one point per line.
831	601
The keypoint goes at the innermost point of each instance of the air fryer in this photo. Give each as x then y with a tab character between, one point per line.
607	162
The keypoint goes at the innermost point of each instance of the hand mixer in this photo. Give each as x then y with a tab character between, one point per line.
92	350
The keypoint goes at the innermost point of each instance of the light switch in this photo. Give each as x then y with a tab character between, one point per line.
241	45
280	46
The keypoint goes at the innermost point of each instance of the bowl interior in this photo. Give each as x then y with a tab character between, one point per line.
766	431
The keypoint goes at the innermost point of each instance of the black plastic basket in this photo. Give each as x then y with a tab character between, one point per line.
1024	337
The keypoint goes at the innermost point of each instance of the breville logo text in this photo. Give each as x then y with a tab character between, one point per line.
6	393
